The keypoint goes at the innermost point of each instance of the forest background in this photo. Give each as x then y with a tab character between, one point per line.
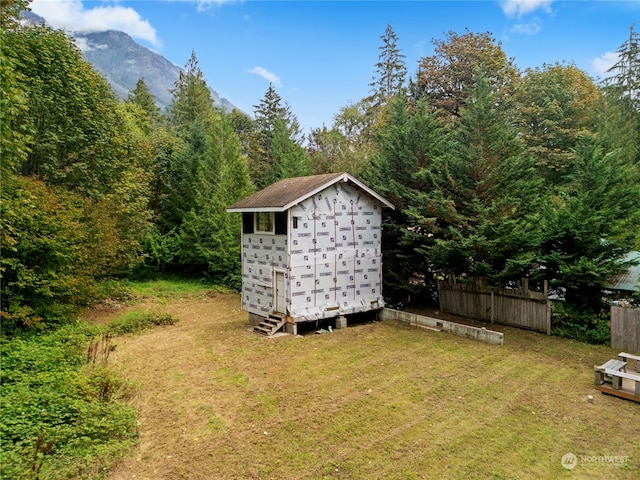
494	172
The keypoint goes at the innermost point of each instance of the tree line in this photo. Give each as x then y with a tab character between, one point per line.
494	172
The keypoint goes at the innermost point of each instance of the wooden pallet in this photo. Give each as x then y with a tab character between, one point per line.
627	395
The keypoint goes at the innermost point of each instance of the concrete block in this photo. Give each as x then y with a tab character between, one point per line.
341	322
480	334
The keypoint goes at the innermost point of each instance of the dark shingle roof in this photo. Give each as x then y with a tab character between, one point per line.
288	192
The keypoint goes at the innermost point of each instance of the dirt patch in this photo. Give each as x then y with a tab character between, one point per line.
380	400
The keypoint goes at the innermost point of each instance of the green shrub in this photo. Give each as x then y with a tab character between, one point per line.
60	416
139	320
582	326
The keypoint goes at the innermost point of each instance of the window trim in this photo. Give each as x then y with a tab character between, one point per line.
271	220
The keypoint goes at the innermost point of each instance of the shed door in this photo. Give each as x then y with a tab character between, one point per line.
280	293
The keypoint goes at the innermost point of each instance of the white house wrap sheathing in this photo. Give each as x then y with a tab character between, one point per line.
331	258
262	255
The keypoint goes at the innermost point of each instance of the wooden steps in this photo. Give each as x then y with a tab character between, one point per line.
271	325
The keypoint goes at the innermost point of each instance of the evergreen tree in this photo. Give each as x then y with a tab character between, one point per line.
390	70
485	193
401	171
277	133
617	124
192	101
141	96
587	224
621	112
210	237
627	69
192	117
289	158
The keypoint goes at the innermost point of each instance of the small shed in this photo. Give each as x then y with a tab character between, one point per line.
311	250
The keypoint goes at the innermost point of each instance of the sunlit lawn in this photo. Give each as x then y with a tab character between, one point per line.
377	400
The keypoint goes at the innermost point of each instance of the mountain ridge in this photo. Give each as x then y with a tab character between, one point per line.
123	61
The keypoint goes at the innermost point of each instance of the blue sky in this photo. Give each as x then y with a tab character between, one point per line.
320	55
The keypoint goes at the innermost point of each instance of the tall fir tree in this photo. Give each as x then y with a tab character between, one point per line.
210	237
142	97
485	192
587	223
626	70
277	132
390	72
402	172
289	158
192	115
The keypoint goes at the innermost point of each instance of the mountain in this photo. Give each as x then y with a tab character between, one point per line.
122	61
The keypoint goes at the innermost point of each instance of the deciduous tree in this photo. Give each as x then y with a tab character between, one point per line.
446	77
555	107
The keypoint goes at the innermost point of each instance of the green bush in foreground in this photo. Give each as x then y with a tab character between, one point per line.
60	414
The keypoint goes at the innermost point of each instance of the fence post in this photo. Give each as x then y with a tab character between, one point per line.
548	303
493	308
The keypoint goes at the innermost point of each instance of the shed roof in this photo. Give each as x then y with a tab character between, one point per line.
630	280
288	192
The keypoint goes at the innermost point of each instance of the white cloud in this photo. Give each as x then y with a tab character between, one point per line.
83	44
519	8
267	75
530	28
604	62
71	15
207	4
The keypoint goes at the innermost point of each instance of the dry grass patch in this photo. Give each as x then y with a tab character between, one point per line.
380	400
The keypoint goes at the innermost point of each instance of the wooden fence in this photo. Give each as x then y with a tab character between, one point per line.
518	307
625	329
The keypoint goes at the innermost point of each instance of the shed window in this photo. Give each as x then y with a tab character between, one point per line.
264	222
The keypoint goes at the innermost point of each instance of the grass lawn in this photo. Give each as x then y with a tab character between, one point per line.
381	400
